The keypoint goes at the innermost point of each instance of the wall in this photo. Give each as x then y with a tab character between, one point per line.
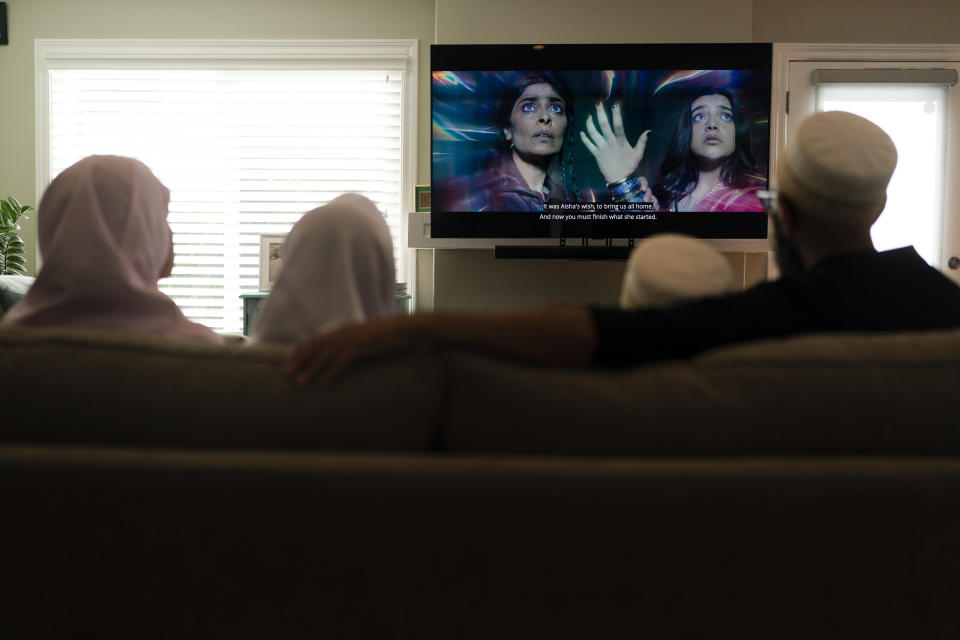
474	279
459	281
839	21
561	21
253	19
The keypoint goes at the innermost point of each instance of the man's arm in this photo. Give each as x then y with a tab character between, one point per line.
558	336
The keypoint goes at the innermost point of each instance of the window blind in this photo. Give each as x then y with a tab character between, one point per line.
243	151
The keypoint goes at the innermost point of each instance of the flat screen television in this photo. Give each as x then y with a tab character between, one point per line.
541	141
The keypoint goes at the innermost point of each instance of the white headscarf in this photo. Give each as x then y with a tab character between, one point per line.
104	238
337	269
670	268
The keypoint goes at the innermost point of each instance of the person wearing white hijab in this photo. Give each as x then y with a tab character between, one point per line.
337	269
105	242
670	268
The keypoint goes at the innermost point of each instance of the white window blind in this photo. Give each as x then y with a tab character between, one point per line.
243	151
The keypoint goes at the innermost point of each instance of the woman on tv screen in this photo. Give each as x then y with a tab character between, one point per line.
533	162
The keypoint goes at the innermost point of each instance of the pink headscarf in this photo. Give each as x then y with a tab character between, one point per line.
337	269
105	241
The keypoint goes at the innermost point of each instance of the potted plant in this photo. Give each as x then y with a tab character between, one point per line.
11	244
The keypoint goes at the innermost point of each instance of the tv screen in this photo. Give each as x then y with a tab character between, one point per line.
599	141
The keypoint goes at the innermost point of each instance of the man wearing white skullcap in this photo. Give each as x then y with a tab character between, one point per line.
833	185
833	178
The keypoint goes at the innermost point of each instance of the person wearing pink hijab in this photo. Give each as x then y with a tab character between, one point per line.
337	269
105	242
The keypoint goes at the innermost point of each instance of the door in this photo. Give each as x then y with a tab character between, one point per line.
910	92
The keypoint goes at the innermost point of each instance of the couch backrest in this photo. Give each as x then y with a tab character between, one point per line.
91	387
818	394
829	394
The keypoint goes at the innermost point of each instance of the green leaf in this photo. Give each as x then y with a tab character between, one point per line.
15	260
11	209
14	270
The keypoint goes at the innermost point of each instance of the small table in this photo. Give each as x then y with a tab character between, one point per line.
252	307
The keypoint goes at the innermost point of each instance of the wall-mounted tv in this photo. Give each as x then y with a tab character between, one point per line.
541	141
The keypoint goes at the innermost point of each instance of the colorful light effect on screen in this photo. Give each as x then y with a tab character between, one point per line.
443	129
681	76
449	78
608	78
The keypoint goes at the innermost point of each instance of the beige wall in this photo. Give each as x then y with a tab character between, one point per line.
838	21
562	21
459	284
474	279
254	19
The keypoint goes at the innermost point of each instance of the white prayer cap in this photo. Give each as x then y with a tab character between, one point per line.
836	167
671	268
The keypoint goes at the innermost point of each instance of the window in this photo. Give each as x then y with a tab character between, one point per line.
247	136
914	116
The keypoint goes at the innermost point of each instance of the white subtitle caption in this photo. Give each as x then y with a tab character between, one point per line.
596	211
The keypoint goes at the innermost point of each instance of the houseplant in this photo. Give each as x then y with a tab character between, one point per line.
11	244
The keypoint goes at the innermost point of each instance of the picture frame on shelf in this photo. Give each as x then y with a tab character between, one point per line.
271	259
422	200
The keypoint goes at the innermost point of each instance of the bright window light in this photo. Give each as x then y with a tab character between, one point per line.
243	152
914	116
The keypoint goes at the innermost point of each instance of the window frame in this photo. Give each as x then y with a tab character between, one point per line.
400	55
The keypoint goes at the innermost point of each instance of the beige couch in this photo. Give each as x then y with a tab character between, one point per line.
802	488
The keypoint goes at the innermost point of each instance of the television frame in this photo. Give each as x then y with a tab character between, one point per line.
462	228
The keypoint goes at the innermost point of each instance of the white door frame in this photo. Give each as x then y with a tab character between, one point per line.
784	54
886	55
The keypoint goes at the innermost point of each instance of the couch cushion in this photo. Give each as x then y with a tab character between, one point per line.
90	387
110	543
826	394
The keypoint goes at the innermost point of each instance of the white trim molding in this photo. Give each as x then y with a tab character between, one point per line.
350	54
785	53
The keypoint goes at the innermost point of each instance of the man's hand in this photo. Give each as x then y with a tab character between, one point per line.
326	355
556	336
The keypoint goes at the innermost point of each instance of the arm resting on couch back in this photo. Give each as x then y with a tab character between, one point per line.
558	336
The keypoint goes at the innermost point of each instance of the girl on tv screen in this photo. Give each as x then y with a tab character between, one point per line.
709	165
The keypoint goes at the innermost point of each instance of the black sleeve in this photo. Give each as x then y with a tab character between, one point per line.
627	338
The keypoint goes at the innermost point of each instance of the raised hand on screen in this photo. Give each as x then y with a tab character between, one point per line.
616	157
